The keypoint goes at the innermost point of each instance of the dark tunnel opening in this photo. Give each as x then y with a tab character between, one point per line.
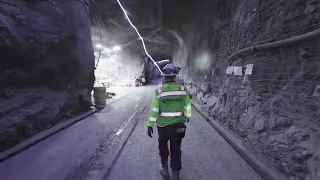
151	72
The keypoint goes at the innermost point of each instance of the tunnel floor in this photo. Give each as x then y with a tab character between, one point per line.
113	144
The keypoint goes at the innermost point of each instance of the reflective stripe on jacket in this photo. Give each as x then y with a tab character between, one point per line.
171	104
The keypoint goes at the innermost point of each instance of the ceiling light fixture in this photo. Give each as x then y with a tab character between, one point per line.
141	38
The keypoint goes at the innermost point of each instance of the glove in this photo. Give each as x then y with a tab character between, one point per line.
150	132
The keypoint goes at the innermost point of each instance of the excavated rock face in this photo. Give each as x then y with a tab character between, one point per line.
276	109
46	64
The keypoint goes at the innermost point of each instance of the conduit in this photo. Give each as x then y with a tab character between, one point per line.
141	38
278	44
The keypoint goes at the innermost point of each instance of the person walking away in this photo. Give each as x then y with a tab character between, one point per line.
170	109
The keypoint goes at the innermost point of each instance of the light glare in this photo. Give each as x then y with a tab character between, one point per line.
98	46
106	49
116	48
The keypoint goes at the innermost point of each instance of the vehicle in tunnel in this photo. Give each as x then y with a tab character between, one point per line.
137	82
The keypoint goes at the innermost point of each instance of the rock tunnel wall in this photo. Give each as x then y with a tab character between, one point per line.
47	63
276	109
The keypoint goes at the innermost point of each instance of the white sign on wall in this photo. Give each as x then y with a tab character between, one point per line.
237	70
316	92
229	70
249	69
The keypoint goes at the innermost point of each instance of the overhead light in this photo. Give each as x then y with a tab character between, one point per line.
116	48
98	46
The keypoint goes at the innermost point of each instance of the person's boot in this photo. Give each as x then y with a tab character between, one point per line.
164	171
175	175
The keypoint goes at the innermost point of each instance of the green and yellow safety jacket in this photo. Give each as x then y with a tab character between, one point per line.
171	104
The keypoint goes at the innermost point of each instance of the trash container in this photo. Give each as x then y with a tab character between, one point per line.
100	96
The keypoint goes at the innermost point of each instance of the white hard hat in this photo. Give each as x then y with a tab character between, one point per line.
169	70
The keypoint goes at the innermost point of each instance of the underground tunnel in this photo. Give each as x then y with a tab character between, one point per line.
251	67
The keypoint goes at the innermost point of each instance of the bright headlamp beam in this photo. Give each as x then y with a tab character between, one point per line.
141	38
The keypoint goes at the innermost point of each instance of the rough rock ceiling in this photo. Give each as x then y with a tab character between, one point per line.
166	25
159	21
116	29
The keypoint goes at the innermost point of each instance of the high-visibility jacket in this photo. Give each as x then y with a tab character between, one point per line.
171	104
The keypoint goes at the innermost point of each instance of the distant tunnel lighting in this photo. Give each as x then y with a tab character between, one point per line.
98	46
106	49
144	46
116	48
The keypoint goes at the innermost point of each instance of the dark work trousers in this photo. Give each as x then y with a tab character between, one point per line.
173	133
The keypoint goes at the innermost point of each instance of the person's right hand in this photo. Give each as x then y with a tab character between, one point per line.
150	132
